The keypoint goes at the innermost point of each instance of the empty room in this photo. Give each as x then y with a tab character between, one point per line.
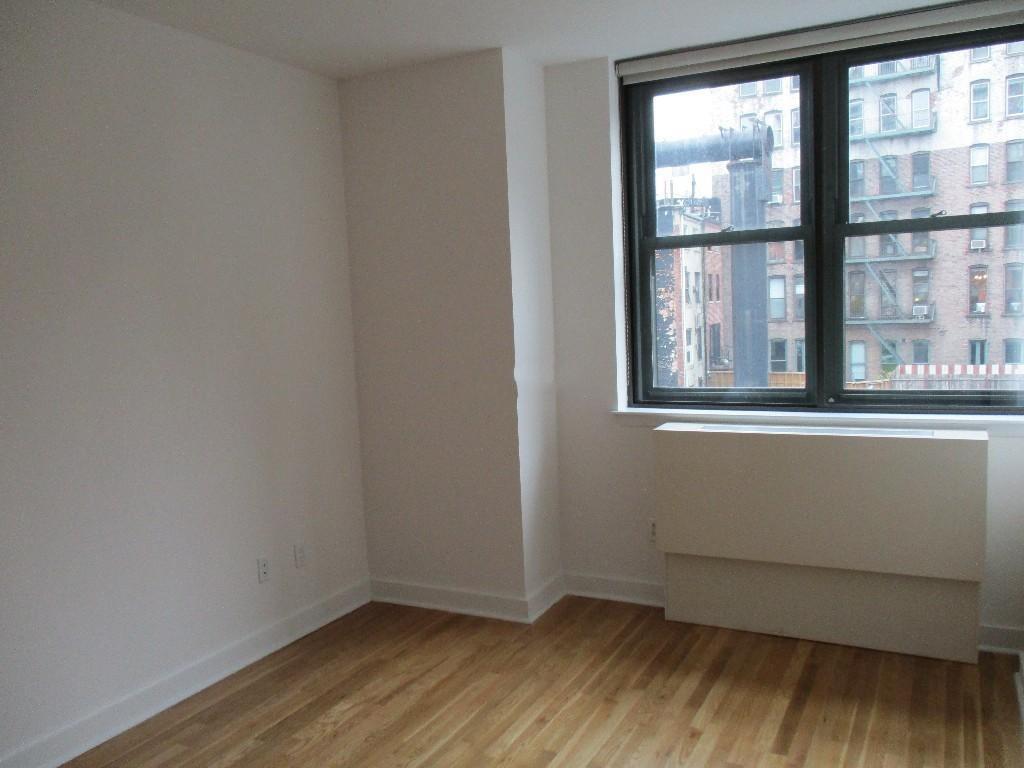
479	383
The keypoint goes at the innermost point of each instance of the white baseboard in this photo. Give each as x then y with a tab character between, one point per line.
75	738
1001	639
486	604
545	597
622	590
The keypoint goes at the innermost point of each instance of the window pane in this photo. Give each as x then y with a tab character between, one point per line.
724	335
943	305
926	127
714	162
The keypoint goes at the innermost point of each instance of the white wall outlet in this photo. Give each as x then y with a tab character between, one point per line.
653	532
299	550
262	569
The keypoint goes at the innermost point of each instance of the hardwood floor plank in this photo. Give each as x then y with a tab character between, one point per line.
593	683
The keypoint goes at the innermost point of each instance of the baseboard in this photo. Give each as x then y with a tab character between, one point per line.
1018	679
75	738
1001	639
485	604
622	590
546	596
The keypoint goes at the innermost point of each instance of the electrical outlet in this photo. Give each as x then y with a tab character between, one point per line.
262	569
299	550
653	532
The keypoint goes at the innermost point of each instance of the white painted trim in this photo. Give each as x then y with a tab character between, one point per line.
73	739
546	596
485	604
610	588
1001	639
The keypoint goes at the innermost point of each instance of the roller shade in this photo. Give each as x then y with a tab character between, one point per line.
910	25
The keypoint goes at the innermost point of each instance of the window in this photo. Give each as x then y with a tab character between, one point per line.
1015	232
887	113
778	358
978	235
979	164
857	117
857	178
773	120
978	351
1012	49
855	283
1015	96
773	86
888	175
858	361
887	294
777	186
864	308
856	73
921	168
978	290
921	109
1014	289
1013	351
777	298
984	53
979	100
748	121
1015	161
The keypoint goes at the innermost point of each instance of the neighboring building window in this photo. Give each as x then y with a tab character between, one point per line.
794	83
887	68
798	297
794	126
773	86
798	246
887	113
747	121
857	178
855	286
1012	49
921	352
1013	351
1015	161
1015	96
747	89
922	290
858	361
979	100
796	184
800	353
1014	289
889	245
920	241
887	294
921	109
889	356
984	53
856	246
773	120
922	174
716	342
777	186
979	164
778	358
978	235
857	117
856	73
776	298
888	175
978	290
978	349
1015	232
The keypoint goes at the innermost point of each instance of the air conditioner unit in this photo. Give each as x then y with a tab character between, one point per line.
1014	306
978	245
921	310
979	307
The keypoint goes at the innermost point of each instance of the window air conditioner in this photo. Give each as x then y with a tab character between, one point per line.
921	310
978	245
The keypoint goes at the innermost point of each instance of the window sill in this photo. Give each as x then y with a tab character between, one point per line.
997	426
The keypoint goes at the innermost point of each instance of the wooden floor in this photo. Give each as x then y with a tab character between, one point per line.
593	683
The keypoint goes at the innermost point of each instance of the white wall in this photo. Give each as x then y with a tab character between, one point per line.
177	395
529	237
606	461
428	217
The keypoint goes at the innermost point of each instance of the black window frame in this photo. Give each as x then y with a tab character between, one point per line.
825	227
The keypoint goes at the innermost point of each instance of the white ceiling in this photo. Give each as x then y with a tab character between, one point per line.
348	37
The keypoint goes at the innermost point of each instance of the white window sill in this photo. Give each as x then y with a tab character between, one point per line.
996	426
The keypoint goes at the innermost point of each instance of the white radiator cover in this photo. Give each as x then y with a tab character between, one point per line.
866	537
